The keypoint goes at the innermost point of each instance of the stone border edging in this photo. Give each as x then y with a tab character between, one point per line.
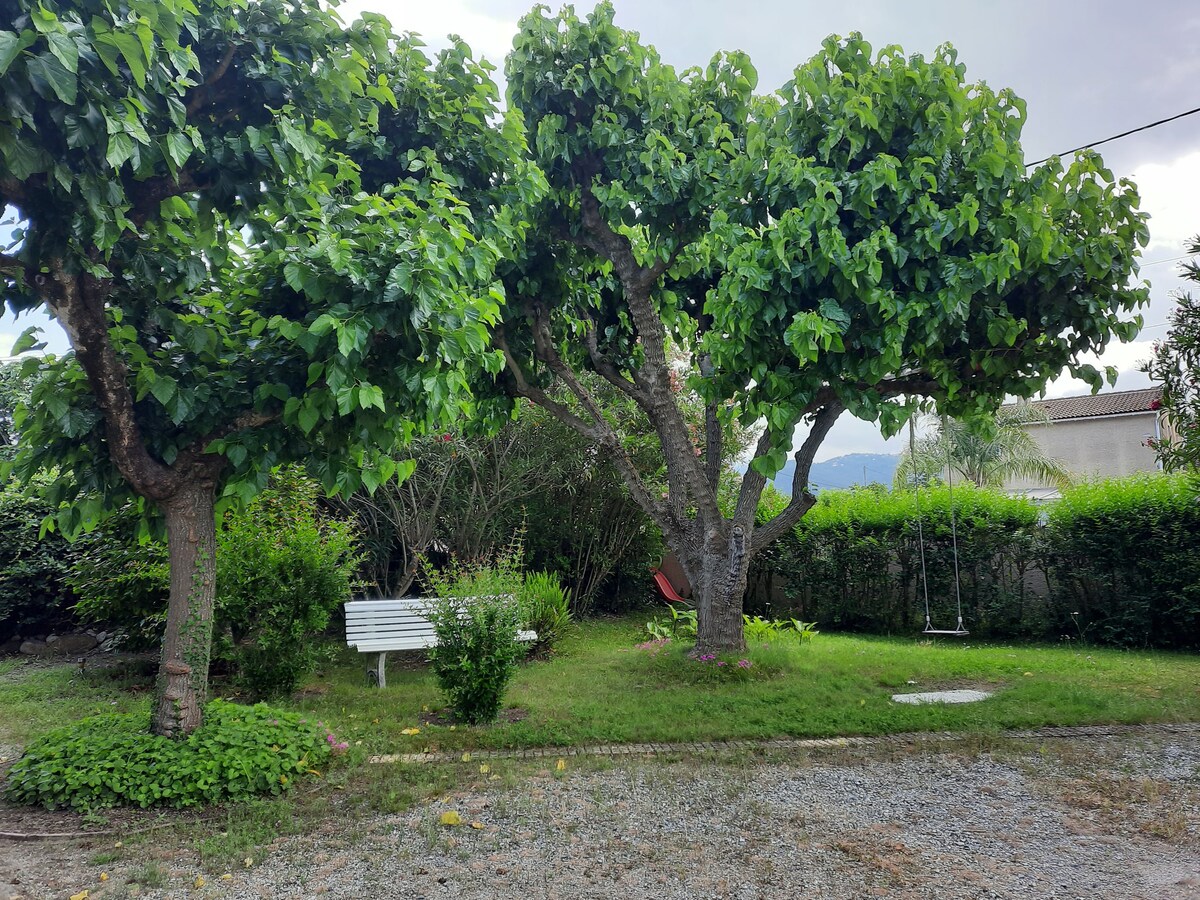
696	747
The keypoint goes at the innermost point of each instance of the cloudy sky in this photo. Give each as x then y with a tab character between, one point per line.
1087	70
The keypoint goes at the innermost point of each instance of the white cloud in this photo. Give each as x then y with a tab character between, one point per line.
489	36
6	342
1171	194
1125	358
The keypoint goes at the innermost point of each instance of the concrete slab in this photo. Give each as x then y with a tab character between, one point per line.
942	697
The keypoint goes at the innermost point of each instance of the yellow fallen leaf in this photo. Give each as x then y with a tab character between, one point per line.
314	772
450	817
466	757
561	765
248	861
410	731
119	844
82	895
227	877
452	727
375	721
199	881
104	876
484	769
283	779
494	778
477	825
1028	674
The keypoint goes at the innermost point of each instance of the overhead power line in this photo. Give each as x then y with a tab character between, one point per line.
1117	136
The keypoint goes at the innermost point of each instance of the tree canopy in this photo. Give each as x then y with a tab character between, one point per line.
865	235
264	235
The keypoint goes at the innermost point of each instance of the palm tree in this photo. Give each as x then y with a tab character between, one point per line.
987	454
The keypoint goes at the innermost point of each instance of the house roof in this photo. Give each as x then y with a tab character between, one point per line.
1114	403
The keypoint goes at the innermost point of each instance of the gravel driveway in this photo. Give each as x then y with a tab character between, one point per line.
1113	817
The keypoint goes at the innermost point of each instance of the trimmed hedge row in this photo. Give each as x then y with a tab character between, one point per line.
1117	562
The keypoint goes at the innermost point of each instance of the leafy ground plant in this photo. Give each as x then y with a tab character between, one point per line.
113	760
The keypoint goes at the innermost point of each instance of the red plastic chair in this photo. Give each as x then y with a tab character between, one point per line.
666	588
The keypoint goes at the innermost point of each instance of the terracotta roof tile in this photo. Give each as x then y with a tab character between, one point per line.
1111	404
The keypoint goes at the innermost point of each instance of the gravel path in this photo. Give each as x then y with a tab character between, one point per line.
1108	817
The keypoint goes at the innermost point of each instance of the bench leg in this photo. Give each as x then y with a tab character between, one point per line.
376	674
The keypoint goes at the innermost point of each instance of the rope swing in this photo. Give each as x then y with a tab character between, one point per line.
959	631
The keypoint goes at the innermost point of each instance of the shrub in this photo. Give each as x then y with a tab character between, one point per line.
122	580
1124	561
113	760
476	652
544	608
282	569
34	590
281	572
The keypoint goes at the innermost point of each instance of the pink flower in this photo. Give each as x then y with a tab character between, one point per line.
1156	404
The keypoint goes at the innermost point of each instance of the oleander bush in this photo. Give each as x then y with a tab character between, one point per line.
114	760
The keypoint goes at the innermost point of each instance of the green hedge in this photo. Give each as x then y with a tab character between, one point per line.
34	596
854	561
1122	556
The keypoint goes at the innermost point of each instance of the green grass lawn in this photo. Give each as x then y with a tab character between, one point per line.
599	689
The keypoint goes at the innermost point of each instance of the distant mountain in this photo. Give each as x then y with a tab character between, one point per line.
843	471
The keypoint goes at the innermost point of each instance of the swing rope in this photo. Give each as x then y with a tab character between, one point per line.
953	531
918	478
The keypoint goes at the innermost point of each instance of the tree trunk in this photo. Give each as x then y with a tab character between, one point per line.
182	686
719	589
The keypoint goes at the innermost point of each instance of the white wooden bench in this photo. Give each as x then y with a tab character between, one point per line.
377	626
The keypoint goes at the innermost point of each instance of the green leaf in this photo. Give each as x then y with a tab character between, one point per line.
120	148
64	84
11	46
27	341
64	51
307	417
179	148
163	387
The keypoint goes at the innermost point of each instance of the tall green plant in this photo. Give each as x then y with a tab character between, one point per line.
988	452
1176	365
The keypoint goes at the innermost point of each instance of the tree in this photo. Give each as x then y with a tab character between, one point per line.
14	390
1176	363
987	453
253	225
865	236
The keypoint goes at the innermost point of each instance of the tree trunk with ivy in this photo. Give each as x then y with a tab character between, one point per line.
181	688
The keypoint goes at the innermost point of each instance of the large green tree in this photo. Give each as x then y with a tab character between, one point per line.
865	236
256	227
1176	365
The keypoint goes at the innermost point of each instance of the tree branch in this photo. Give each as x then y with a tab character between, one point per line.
203	91
802	500
685	472
601	434
607	369
78	305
